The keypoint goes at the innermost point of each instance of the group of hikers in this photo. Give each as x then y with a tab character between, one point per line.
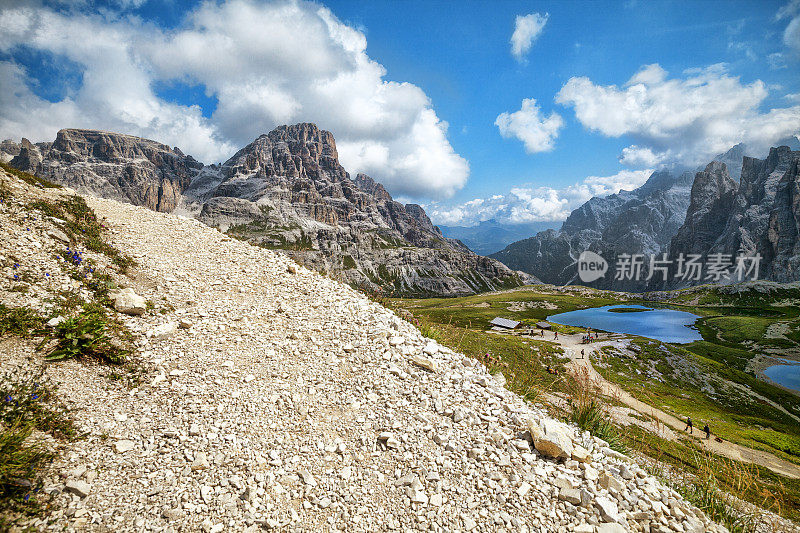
690	428
589	337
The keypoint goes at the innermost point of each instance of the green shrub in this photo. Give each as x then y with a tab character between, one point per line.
21	460
90	334
28	396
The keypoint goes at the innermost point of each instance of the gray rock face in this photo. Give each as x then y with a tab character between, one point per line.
9	150
632	222
761	216
112	165
712	197
285	190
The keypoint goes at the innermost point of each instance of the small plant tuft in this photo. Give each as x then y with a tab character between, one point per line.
89	334
19	321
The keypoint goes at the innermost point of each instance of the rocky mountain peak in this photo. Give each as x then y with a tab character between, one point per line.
285	190
760	216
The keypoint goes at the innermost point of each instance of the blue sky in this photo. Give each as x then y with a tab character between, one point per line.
726	72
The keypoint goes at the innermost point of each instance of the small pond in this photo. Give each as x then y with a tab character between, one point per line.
665	325
786	375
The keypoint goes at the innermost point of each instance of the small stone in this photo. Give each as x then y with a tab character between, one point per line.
424	362
581	454
200	462
609	527
608	509
53	322
173	514
572	496
122	446
308	479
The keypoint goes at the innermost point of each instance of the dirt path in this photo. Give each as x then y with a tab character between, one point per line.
572	348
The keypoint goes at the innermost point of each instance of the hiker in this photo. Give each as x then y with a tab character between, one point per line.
689	427
582	353
556	335
708	431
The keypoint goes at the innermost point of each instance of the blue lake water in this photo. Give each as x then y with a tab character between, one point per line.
666	325
786	375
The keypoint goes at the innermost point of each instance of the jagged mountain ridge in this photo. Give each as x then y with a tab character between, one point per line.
285	190
641	221
112	165
759	216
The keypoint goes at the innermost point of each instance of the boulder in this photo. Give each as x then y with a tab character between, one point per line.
128	302
551	439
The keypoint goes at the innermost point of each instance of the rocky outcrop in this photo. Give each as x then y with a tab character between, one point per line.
9	150
761	216
285	190
112	165
712	197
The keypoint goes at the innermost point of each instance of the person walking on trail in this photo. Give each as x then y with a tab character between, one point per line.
556	335
689	427
708	431
582	353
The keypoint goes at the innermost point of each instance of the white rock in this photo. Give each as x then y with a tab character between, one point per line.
122	446
78	487
609	510
128	302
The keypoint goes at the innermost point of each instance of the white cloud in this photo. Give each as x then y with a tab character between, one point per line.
530	126
791	35
535	204
640	156
527	29
266	63
686	120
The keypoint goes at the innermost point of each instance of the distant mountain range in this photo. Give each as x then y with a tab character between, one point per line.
676	211
491	236
286	190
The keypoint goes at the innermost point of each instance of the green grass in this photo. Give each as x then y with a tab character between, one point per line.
29	404
739	329
91	333
19	321
83	227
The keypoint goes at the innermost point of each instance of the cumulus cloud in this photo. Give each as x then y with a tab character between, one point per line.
537	132
640	156
535	204
685	119
527	29
791	35
265	63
